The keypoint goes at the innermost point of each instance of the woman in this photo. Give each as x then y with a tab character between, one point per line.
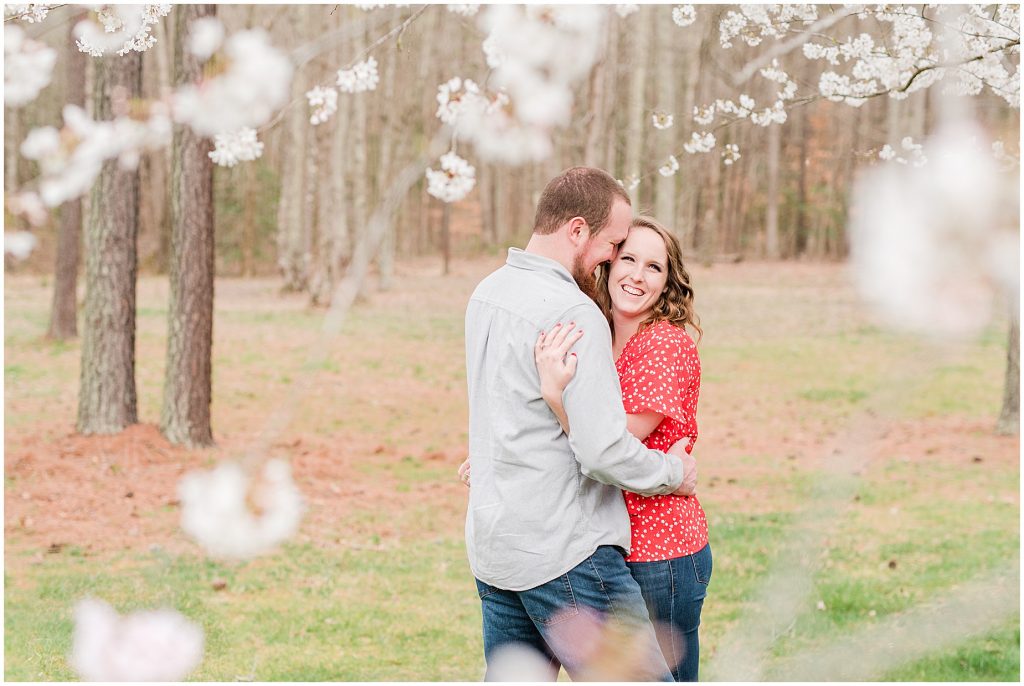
645	293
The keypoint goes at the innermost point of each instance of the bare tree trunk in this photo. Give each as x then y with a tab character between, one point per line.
772	202
597	127
385	164
291	210
64	310
158	193
446	238
665	202
185	419
638	56
1009	417
107	401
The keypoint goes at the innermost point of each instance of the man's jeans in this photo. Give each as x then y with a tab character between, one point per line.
674	591
540	617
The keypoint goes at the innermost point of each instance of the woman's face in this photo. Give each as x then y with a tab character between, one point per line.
638	273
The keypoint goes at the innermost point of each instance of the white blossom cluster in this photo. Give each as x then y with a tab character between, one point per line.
254	85
28	67
704	115
538	54
464	10
360	78
929	246
753	23
238	146
915	55
233	515
700	142
625	10
914	152
19	244
453	181
730	154
120	28
205	36
324	101
29	205
32	13
71	160
776	75
149	645
631	182
457	96
684	15
670	167
662	120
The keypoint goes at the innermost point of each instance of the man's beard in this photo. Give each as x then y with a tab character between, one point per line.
586	281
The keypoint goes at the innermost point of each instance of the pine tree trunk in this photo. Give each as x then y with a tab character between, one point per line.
107	401
1009	417
185	419
64	309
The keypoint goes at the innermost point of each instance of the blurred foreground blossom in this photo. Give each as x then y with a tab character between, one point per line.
519	662
255	83
464	10
28	67
538	53
30	206
930	245
238	146
233	515
70	160
454	181
205	36
19	244
153	645
120	28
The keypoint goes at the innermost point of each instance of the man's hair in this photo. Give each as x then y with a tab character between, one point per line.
578	192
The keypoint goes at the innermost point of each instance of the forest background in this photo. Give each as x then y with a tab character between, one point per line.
379	413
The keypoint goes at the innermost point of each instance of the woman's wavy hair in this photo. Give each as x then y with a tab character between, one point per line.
676	302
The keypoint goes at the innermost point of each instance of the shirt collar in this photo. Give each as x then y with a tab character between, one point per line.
520	259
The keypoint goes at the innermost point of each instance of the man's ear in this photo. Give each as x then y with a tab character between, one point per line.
579	231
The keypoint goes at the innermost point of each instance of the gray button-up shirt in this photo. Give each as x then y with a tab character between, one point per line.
542	502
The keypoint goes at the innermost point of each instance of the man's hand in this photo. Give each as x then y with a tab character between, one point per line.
689	485
464	473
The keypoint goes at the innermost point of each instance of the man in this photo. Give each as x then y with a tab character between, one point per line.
547	525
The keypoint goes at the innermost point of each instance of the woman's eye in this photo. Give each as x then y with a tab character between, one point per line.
626	258
656	267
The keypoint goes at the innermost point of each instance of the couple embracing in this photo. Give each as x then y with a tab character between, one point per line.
582	414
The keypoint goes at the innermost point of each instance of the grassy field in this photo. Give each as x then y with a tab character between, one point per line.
376	586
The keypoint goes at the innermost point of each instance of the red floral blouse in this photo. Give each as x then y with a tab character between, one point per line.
659	370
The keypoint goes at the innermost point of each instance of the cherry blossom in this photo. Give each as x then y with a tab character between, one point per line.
19	244
120	28
30	13
324	101
670	167
662	120
232	514
149	645
730	154
684	15
453	181
464	10
360	78
229	101
238	146
700	142
28	67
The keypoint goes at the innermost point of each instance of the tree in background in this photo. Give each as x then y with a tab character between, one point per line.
185	418
64	309
107	399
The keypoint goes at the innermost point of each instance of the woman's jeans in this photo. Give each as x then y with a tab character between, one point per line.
674	591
